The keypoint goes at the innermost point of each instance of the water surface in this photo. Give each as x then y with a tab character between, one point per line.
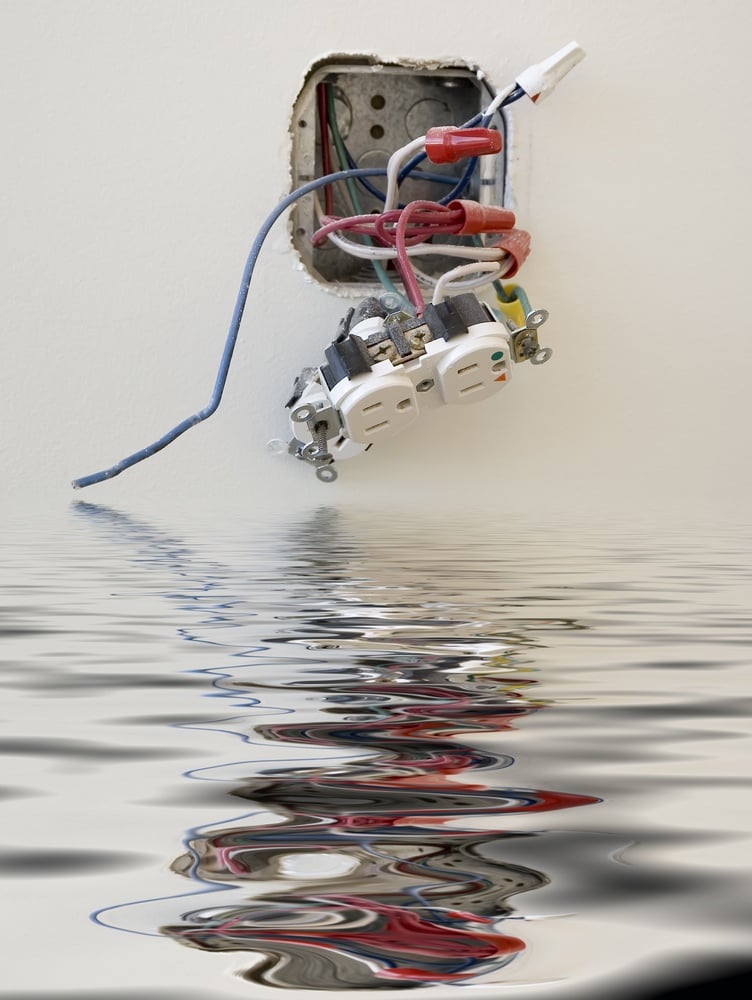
365	753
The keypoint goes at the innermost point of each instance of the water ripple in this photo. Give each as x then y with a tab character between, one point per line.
404	720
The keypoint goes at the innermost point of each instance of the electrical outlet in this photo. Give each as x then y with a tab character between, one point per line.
391	348
476	368
376	406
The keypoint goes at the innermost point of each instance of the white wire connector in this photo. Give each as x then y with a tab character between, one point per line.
538	81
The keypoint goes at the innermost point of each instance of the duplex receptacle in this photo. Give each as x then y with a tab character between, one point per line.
476	367
376	406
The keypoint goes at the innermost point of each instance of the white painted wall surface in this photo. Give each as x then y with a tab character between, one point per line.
144	143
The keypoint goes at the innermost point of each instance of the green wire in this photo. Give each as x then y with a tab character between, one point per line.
513	293
339	147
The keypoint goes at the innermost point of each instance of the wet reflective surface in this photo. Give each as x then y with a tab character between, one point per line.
395	756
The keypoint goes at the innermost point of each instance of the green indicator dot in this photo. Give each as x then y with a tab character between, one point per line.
497	356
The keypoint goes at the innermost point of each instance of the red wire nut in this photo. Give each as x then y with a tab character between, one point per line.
516	242
447	144
482	218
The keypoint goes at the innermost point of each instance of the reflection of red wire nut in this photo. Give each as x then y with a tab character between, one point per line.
447	144
482	218
517	244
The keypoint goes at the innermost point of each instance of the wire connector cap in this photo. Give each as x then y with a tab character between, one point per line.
447	144
539	80
516	242
482	218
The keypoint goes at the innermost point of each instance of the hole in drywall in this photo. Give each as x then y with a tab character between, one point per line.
337	103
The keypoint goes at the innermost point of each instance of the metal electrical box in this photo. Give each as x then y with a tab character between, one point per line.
377	108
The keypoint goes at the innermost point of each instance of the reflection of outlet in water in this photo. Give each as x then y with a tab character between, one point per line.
378	108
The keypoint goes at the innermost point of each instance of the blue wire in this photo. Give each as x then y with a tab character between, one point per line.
461	183
232	334
419	175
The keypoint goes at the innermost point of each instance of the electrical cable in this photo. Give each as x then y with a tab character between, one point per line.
435	220
326	153
465	285
440	291
393	168
462	183
419	175
513	293
232	334
403	261
421	249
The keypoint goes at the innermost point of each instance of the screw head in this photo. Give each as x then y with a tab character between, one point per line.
425	385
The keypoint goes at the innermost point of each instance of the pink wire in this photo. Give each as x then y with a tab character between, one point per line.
434	219
403	261
335	225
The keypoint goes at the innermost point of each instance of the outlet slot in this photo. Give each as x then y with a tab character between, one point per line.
377	427
467	368
373	406
380	107
471	388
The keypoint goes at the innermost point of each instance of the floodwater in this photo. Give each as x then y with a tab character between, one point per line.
373	753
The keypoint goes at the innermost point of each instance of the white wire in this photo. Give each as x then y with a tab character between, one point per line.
501	96
491	254
440	289
467	284
393	167
389	253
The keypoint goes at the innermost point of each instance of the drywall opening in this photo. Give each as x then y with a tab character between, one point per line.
355	111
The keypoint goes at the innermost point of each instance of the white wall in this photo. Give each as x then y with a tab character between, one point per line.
144	142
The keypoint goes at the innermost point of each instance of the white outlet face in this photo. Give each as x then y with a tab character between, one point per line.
375	407
474	370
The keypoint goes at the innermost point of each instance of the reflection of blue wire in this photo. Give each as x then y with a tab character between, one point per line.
232	334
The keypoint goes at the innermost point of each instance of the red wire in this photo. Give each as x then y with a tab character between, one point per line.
396	228
358	223
326	155
403	261
433	220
